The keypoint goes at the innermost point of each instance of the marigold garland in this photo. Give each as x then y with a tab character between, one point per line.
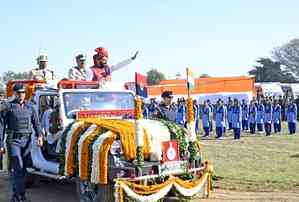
85	154
71	155
190	113
103	163
138	108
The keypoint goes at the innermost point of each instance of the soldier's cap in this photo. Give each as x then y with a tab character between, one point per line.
167	94
80	57
42	58
18	87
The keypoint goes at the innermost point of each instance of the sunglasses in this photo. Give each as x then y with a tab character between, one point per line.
19	92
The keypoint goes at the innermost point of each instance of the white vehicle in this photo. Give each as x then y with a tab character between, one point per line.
77	99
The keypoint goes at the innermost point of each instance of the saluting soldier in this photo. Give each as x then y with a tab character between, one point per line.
19	117
165	109
42	72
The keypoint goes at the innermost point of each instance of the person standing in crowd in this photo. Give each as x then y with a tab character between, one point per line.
252	117
260	116
101	71
181	113
42	72
236	119
145	111
291	114
268	116
220	115
79	71
245	111
211	114
19	116
152	107
196	116
206	116
165	109
297	105
277	117
229	113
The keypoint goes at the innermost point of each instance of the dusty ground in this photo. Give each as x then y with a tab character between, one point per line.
52	191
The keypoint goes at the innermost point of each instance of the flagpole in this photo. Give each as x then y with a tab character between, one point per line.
188	89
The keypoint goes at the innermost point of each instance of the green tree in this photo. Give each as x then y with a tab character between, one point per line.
288	55
11	75
204	76
154	77
268	70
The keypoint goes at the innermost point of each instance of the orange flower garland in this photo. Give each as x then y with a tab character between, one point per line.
190	113
71	155
85	154
138	108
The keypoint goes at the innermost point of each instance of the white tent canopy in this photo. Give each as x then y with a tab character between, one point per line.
271	89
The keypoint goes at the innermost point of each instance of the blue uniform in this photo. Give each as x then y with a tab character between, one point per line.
211	121
268	118
145	112
196	117
220	120
252	118
277	118
206	113
229	116
181	114
260	117
291	115
245	112
236	121
19	120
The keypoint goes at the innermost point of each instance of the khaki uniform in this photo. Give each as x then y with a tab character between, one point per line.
42	74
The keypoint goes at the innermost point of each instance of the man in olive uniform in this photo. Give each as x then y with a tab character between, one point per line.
19	119
42	72
165	110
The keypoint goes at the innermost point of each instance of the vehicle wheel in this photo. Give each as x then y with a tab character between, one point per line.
88	192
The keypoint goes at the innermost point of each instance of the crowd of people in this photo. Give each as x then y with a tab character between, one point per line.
261	115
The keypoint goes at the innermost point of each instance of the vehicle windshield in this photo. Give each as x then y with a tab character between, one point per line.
76	101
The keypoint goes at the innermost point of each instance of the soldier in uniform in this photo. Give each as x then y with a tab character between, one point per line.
42	72
19	119
78	72
165	109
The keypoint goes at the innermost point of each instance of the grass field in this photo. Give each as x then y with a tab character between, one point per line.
255	163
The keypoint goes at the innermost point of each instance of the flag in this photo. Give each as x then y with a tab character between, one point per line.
141	83
190	79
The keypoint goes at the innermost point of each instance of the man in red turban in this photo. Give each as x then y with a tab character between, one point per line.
101	71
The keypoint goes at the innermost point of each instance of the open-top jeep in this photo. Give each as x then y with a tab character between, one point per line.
96	145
